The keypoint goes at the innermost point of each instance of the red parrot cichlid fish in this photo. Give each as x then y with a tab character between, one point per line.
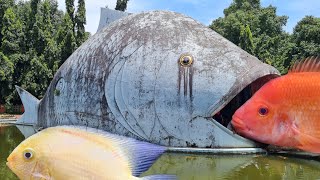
286	110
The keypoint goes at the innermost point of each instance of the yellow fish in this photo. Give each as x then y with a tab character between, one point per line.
73	152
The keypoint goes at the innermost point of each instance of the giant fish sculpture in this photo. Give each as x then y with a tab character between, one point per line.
157	76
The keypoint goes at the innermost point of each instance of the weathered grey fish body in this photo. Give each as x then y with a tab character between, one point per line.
158	76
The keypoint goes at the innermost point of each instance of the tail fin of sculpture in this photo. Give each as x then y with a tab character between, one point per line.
108	16
31	105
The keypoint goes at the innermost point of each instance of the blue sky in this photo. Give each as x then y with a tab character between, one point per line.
202	10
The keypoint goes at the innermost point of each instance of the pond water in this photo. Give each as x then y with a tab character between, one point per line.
10	137
193	167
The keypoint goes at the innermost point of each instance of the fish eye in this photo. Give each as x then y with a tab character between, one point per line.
263	111
28	154
186	60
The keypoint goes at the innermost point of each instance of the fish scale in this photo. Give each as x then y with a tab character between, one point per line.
304	101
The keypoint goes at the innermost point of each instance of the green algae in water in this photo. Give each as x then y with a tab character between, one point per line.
10	137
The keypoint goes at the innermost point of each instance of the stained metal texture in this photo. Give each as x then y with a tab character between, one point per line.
156	76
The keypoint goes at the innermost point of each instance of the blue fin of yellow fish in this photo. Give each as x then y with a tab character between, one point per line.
140	155
159	177
311	64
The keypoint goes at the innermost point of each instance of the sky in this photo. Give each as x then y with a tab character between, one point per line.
202	10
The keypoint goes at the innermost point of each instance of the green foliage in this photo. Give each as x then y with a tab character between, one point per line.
66	38
4	5
306	36
38	77
31	30
12	33
6	71
256	29
259	31
36	38
6	68
121	5
245	39
56	16
70	11
80	22
246	5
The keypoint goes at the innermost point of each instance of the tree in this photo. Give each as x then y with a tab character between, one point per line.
52	55
260	20
306	36
33	10
46	27
70	12
6	68
121	5
36	38
4	5
38	77
12	33
56	16
80	20
13	44
265	26
66	39
241	4
246	41
6	71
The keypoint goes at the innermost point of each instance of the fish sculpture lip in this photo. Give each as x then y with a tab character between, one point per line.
131	78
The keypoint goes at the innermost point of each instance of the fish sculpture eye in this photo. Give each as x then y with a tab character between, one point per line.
186	60
28	154
263	111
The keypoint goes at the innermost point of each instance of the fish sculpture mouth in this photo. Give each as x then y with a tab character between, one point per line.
236	99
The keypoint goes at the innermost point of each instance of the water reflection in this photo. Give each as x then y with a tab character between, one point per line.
210	167
10	137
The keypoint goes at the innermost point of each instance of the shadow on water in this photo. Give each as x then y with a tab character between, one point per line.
192	167
10	137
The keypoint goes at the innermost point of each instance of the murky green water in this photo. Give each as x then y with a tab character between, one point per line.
246	167
202	167
10	137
